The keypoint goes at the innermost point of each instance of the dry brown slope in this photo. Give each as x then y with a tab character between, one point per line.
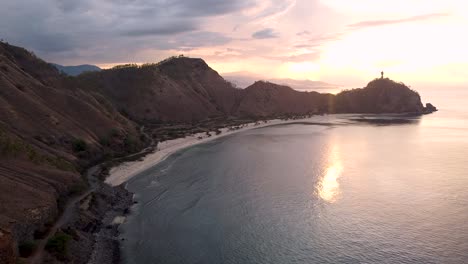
39	122
175	90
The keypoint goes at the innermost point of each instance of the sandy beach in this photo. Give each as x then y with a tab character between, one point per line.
125	171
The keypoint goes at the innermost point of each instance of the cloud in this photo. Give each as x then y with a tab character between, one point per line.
208	7
61	30
374	23
273	8
266	33
173	28
303	33
310	56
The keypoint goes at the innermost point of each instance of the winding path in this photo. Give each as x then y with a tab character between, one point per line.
71	206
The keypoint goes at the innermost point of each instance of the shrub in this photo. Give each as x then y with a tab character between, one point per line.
58	244
130	143
77	189
79	145
114	132
61	164
26	248
104	141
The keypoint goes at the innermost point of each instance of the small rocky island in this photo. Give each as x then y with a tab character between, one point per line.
380	96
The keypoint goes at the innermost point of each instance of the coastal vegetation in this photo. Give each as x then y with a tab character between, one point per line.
58	245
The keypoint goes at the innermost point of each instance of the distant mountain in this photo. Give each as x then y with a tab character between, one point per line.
76	70
245	79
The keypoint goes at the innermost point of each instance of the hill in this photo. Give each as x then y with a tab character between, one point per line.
379	96
265	99
175	90
48	134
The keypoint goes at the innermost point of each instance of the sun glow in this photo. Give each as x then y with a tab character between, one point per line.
300	70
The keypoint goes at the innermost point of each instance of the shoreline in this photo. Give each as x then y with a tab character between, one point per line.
124	171
107	247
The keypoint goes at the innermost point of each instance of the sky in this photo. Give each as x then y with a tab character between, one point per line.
337	41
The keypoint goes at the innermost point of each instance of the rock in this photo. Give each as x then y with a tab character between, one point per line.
7	248
430	108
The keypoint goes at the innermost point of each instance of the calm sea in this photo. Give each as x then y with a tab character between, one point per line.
329	190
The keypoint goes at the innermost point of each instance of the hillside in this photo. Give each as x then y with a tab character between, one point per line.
187	90
48	134
175	90
264	99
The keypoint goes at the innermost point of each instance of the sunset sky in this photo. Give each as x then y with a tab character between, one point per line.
337	41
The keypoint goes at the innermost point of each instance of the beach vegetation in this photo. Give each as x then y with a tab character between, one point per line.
58	245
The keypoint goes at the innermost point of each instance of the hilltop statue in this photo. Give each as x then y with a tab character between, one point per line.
381	75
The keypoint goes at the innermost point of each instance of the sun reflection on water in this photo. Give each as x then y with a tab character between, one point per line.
328	187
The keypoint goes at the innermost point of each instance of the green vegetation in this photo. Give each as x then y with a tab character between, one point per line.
11	146
77	188
144	65
124	66
104	141
58	245
114	132
79	145
26	248
130	144
61	163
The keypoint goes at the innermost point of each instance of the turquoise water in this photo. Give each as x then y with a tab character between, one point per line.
330	190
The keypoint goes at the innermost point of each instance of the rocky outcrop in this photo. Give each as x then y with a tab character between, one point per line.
430	108
8	253
379	96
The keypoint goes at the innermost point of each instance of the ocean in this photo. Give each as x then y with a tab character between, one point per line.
331	189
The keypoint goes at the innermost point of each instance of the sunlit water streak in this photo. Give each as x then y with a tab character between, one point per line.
328	187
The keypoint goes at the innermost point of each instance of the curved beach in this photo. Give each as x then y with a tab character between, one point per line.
125	171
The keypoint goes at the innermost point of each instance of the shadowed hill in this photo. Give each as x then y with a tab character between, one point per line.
188	90
264	99
379	96
175	90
